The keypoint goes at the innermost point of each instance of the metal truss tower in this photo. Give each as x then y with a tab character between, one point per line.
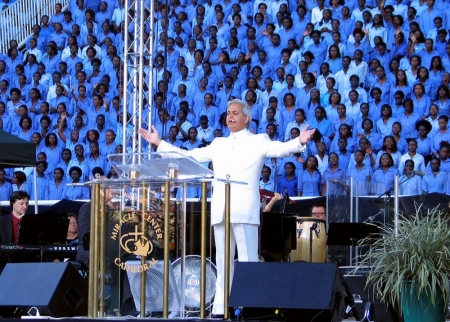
138	67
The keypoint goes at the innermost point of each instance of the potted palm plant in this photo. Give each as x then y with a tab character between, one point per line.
410	267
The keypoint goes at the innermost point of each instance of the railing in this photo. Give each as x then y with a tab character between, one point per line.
16	22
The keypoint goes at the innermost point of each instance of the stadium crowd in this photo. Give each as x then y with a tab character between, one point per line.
371	76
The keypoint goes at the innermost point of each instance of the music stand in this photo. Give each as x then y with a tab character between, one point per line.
278	232
348	234
43	229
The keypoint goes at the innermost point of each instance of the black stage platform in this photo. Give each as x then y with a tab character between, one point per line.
85	319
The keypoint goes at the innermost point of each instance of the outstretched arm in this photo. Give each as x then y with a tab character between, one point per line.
201	155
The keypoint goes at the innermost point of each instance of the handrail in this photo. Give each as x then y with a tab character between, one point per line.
18	19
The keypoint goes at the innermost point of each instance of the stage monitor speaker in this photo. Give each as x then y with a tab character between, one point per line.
356	280
55	289
300	291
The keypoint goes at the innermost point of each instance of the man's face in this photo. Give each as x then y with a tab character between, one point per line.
73	224
93	147
79	150
319	212
20	206
315	37
412	146
100	120
236	120
206	68
66	156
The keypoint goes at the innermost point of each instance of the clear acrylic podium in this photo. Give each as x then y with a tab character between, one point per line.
133	234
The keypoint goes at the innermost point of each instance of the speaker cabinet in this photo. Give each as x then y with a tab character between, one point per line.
55	289
300	291
356	283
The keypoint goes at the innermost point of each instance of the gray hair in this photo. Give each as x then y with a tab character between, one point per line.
245	109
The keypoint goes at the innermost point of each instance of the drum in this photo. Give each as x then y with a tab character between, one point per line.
306	227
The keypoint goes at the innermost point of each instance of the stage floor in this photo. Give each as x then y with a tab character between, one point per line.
132	319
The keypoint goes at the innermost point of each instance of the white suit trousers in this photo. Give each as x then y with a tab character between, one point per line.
245	237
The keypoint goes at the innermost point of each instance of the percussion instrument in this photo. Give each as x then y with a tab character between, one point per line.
310	250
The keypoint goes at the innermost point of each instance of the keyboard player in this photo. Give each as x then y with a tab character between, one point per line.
10	223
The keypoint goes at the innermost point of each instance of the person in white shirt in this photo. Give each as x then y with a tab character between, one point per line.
357	13
118	15
275	6
33	50
321	82
419	161
377	29
268	4
317	12
205	132
400	9
343	76
299	123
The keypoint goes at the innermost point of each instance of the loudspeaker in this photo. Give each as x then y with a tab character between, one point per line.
55	289
300	291
356	283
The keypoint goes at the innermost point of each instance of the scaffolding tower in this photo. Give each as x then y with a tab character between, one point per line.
138	31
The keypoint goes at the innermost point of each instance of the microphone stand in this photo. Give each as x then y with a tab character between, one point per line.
311	229
387	199
371	218
408	178
285	200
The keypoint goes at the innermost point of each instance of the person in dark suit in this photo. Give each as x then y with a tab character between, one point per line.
10	223
84	227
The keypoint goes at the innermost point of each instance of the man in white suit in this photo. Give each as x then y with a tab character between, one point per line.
239	157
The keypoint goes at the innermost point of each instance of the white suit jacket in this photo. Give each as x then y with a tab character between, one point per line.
239	157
